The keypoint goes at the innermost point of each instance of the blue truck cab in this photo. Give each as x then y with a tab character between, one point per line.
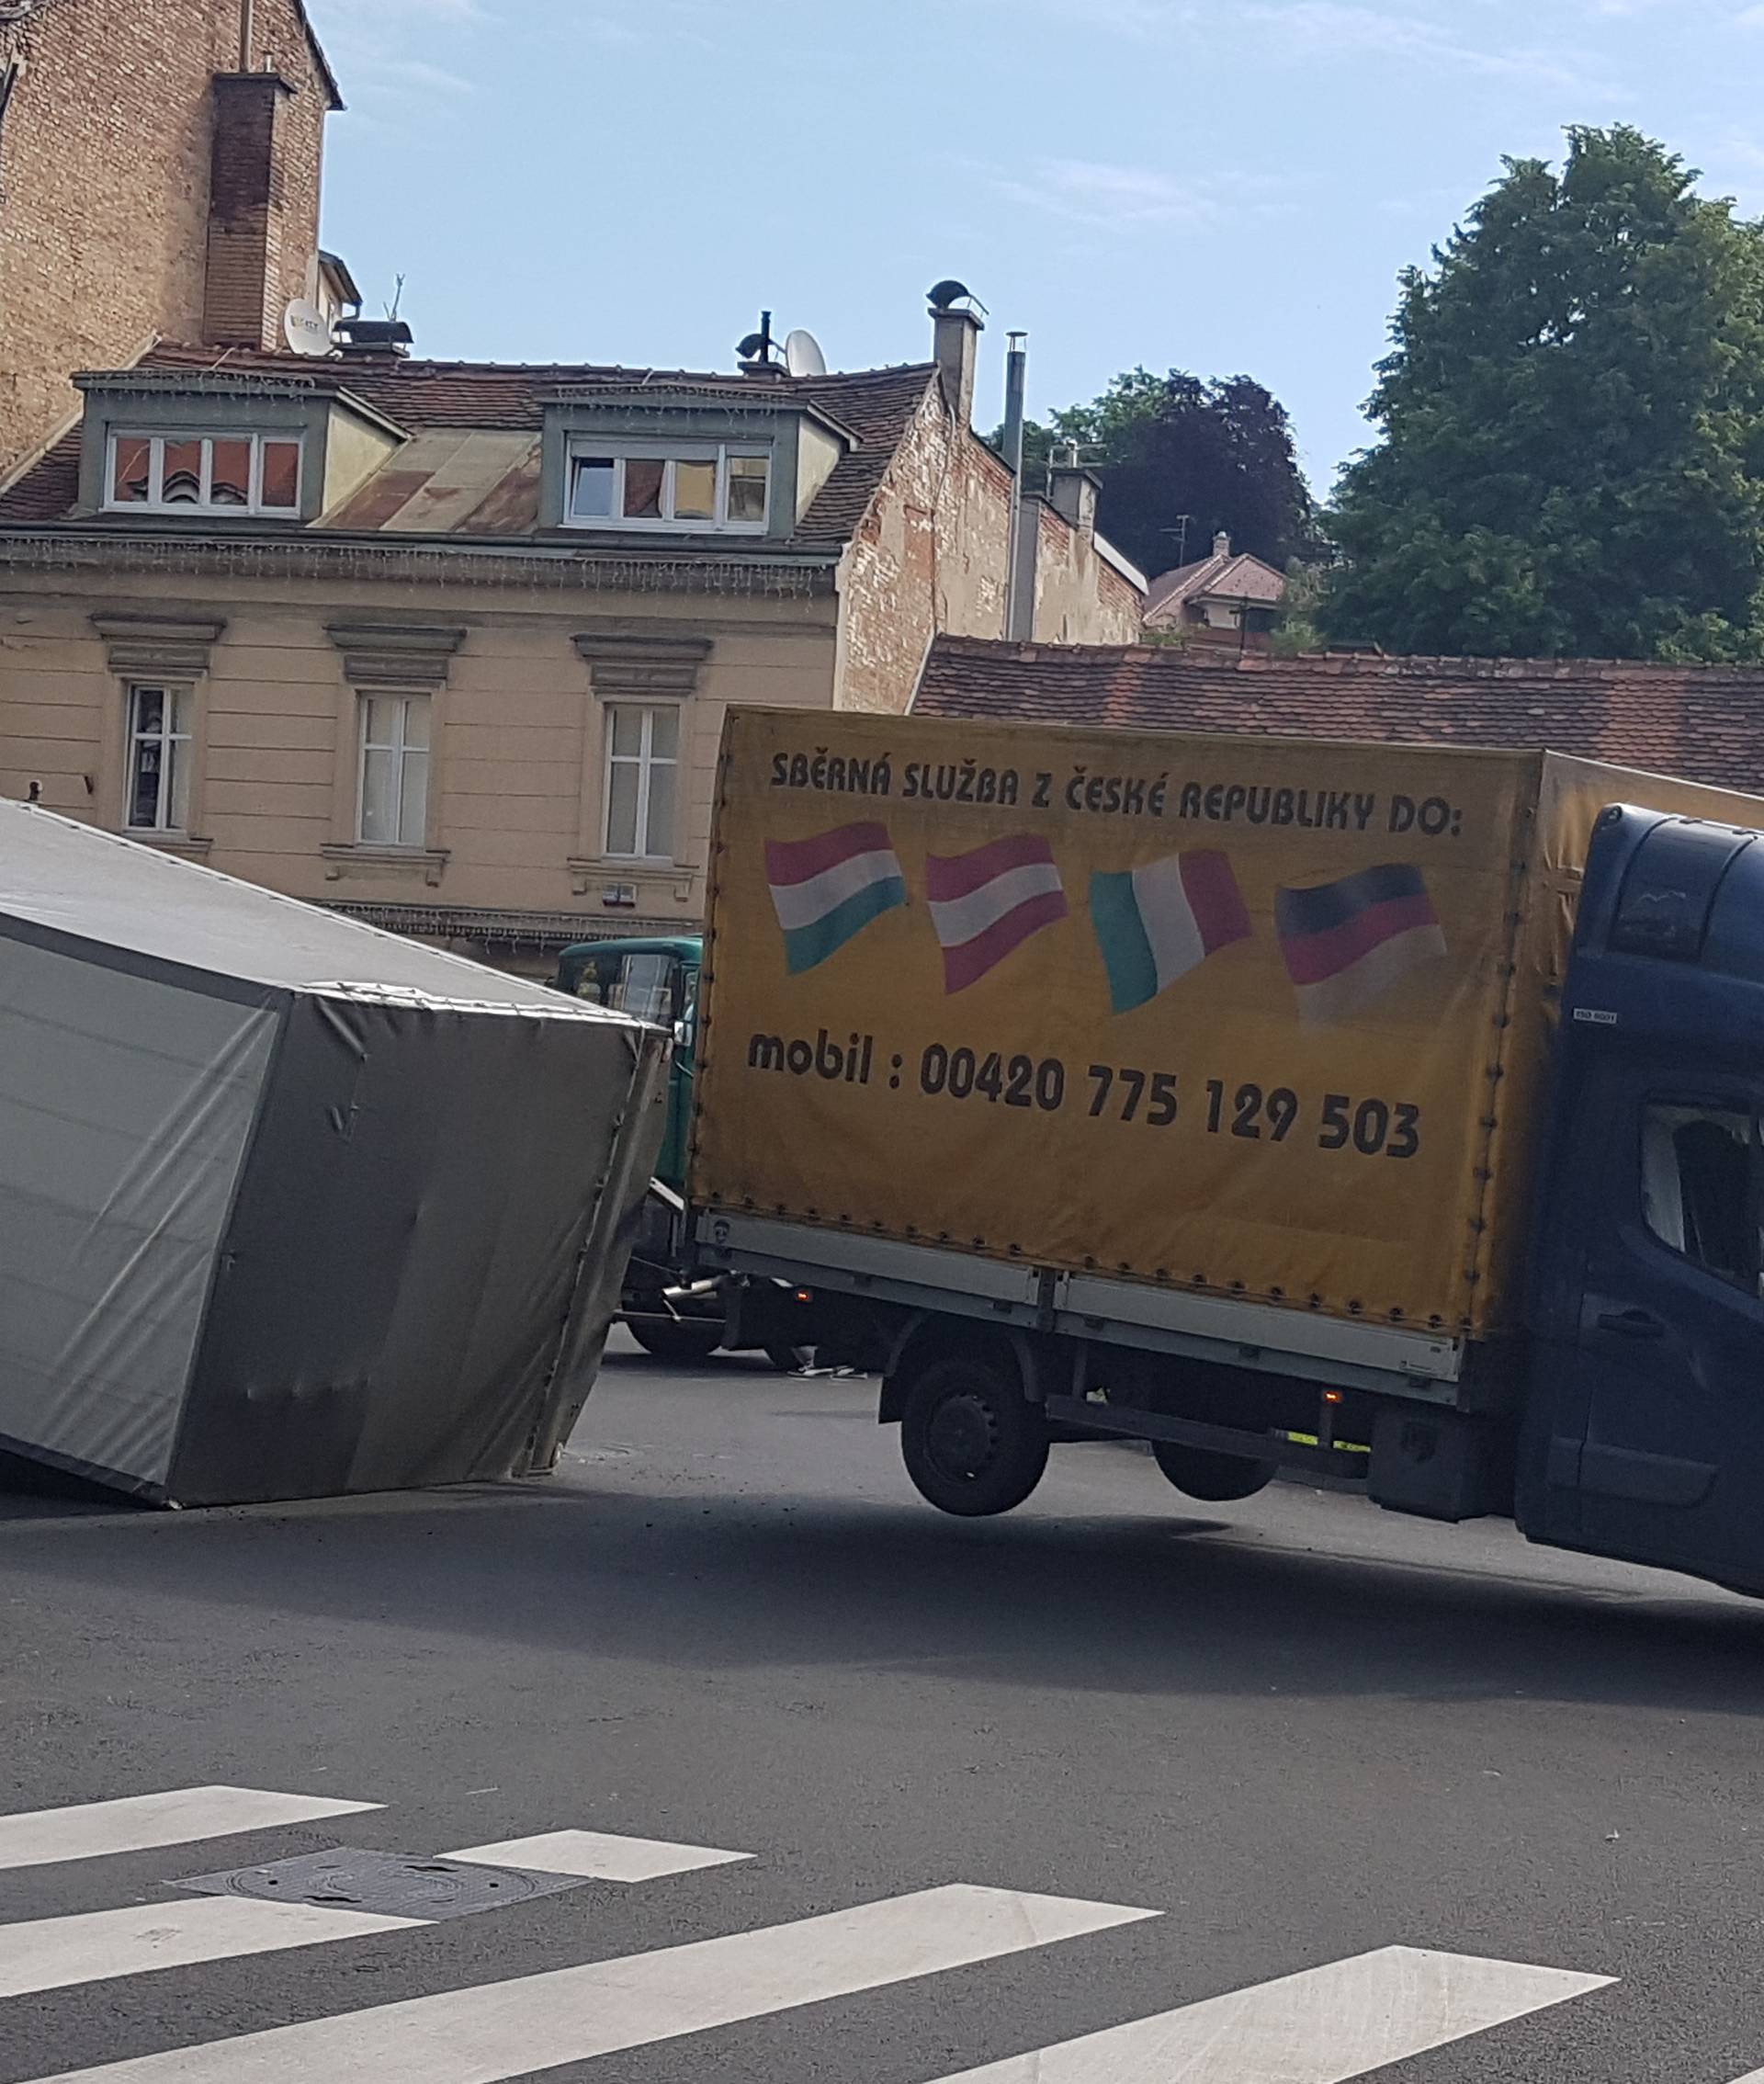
1643	1434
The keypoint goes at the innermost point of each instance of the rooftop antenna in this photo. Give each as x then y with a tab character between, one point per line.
1180	533
398	297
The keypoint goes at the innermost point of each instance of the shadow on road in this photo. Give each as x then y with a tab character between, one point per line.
619	1565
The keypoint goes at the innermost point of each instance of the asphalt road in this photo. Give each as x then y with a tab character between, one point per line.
1297	1730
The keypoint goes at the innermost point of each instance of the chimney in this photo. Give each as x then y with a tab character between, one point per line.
1073	490
241	296
1019	587
1221	544
955	340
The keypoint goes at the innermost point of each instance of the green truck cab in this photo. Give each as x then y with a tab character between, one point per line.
655	980
674	1310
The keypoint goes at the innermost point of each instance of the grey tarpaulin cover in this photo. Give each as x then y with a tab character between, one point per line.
289	1207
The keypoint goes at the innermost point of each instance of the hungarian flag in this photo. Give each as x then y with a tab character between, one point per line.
1347	943
986	904
1156	922
826	888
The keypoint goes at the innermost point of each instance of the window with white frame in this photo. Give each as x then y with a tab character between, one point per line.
209	473
691	486
158	779
394	789
642	760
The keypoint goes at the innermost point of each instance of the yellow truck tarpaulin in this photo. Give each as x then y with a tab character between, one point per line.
1250	1016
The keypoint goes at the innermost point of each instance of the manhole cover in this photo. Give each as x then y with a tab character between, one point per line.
393	1884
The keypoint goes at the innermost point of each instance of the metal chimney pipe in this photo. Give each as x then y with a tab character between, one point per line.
1016	373
245	35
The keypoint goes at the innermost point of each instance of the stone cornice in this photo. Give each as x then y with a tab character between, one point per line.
146	642
505	567
637	662
400	654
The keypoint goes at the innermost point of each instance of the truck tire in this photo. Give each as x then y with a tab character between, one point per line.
680	1338
973	1443
1215	1479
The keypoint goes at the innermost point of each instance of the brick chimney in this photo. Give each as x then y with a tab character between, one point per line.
956	339
1073	490
247	197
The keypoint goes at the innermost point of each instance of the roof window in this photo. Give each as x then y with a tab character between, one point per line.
216	473
682	485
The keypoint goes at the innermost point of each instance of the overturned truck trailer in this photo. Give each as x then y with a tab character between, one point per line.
291	1207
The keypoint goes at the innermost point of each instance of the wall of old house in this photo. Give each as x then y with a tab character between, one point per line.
930	555
517	776
1080	596
105	150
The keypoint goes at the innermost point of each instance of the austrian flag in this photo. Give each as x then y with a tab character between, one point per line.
986	904
1156	922
1347	943
826	888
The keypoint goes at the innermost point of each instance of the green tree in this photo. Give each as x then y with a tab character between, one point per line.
1572	414
1181	459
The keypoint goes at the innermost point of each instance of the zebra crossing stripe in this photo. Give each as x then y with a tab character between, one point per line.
83	1831
1323	2026
596	1855
533	2022
95	1946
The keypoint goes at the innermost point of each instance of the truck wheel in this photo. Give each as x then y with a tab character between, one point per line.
677	1339
972	1442
1198	1472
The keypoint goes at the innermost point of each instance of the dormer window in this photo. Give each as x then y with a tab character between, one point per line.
692	487
218	473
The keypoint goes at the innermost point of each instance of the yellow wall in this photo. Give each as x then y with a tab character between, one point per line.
516	778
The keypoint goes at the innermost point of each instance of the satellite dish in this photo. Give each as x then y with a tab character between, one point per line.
306	329
802	355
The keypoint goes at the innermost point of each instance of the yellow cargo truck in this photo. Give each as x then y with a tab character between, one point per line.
1385	1110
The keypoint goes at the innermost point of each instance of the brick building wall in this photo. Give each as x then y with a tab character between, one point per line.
930	555
105	156
931	558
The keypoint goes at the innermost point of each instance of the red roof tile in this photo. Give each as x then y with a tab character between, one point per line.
49	488
1226	576
1704	723
875	405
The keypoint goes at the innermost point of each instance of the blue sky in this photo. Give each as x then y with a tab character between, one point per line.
1225	187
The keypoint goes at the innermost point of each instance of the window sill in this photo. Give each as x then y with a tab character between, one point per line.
345	856
668	531
588	869
185	843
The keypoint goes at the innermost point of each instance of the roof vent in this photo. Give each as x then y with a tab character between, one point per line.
758	352
373	337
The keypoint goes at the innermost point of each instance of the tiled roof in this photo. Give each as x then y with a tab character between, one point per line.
874	405
1704	723
1228	575
49	488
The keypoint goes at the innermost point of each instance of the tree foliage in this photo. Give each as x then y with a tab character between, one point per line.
1572	458
1180	459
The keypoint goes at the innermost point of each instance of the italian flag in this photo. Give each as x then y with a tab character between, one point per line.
1156	922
